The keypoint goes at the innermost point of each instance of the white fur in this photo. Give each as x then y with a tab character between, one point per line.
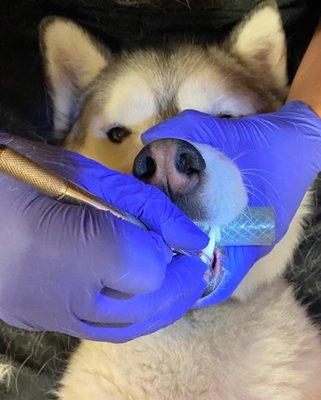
224	194
260	43
261	349
209	91
126	107
6	374
73	60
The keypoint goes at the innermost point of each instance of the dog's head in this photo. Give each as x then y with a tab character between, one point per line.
105	101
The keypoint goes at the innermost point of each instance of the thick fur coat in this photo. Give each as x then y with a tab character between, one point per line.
259	345
45	354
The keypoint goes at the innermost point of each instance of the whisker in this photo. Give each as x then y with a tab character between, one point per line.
240	155
264	179
251	190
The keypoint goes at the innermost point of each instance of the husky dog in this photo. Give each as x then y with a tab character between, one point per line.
259	345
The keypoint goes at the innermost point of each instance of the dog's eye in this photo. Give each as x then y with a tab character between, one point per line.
117	134
225	116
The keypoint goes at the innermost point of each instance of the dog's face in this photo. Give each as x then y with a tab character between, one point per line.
107	101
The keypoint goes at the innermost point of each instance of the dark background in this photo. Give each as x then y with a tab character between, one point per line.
25	109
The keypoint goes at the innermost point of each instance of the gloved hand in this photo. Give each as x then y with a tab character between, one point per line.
279	155
84	272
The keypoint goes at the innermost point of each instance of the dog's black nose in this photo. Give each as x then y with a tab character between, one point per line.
175	166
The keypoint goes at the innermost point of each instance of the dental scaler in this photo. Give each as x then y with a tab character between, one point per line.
254	227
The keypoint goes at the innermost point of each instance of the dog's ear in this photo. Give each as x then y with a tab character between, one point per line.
72	60
259	42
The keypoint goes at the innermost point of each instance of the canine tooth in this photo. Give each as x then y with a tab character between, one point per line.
207	253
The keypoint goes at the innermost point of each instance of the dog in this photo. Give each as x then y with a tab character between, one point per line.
258	345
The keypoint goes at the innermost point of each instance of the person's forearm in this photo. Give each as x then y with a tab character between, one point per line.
306	85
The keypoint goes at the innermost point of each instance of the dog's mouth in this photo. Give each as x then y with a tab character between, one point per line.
177	168
213	274
212	257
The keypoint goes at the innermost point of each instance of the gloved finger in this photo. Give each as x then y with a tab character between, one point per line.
152	207
73	230
114	247
149	204
123	256
143	201
40	152
190	125
137	258
232	136
236	264
167	316
183	275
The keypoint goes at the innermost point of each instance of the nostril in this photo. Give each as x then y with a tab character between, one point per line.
184	164
190	162
144	166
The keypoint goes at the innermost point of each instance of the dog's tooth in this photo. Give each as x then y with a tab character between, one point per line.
217	232
208	252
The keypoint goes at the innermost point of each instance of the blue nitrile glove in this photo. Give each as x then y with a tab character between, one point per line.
279	155
84	272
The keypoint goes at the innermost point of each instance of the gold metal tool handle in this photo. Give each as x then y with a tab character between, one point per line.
29	172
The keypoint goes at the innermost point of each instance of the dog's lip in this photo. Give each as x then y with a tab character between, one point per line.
213	274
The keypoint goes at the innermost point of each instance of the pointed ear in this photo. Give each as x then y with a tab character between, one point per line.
259	41
72	60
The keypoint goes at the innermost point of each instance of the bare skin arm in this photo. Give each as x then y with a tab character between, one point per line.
306	85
